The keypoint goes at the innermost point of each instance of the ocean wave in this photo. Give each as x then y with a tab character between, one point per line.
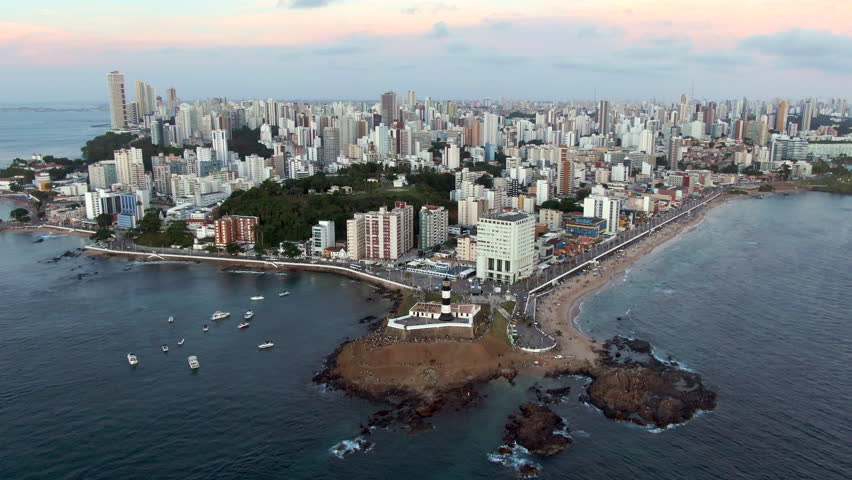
656	429
516	458
259	272
161	262
345	448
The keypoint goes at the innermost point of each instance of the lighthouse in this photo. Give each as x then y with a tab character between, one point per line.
446	308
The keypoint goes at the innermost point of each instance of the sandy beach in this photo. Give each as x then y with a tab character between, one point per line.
558	311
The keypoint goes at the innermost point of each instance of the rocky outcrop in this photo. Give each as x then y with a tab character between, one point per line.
534	430
631	384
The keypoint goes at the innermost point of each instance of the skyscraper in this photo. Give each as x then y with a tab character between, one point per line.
171	100
603	117
434	223
388	108
117	101
330	145
781	118
411	98
505	249
220	147
807	115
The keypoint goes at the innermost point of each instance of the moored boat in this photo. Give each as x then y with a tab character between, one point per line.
243	325
193	362
171	319
205	328
257	297
165	348
132	360
265	345
180	342
283	294
219	315
248	315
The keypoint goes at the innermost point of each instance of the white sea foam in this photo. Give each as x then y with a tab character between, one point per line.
162	262
344	448
519	457
258	272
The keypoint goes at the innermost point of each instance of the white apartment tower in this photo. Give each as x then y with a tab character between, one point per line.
599	205
117	100
505	247
355	240
322	237
220	147
389	234
434	223
130	168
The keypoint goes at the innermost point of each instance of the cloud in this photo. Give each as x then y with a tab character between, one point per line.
428	7
497	24
439	30
456	48
338	50
593	31
805	48
304	4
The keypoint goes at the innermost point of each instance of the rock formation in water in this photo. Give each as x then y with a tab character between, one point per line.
534	430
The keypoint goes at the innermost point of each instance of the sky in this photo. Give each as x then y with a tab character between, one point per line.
52	50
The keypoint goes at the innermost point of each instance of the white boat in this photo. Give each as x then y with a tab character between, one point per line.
248	315
171	319
265	345
218	315
283	294
243	325
132	360
257	297
180	342
205	328
165	348
193	362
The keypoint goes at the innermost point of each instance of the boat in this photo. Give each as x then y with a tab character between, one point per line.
243	324
248	315
265	345
165	348
218	315
132	360
193	362
180	342
283	294
204	329
257	297
171	319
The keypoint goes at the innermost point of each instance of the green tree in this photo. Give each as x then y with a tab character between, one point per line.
233	249
101	234
178	233
104	220
290	250
730	168
785	172
486	181
20	215
151	221
211	249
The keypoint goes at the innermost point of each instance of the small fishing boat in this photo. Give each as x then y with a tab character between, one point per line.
165	348
283	294
219	315
265	345
171	319
205	328
193	362
180	342
132	360
248	315
243	325
257	297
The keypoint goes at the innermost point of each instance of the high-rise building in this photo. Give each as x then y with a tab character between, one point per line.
470	209
675	152
388	108
453	157
505	247
235	229
389	234
434	222
807	115
102	174
117	100
599	205
322	237
491	129
603	117
130	168
220	147
411	100
564	173
781	117
647	141
142	101
330	145
355	237
171	100
542	191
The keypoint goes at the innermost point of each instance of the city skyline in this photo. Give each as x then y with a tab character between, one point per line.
325	49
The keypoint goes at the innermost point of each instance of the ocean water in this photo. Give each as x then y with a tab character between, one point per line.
60	134
756	299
